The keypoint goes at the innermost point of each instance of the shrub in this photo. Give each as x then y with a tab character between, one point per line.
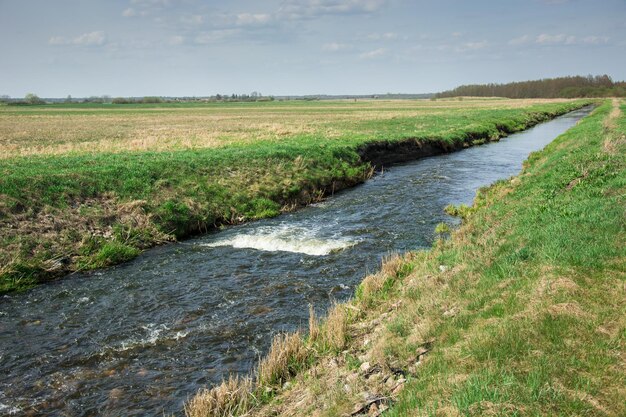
123	100
150	100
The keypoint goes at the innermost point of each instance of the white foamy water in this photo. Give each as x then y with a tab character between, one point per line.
8	410
285	239
155	334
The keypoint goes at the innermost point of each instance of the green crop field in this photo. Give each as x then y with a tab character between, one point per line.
86	186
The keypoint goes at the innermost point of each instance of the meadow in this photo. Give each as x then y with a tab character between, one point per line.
87	128
85	186
520	312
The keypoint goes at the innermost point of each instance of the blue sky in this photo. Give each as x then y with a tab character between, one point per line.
192	47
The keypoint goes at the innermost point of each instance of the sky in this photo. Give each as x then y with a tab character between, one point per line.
55	48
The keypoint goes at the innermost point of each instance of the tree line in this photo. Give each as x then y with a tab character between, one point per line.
561	87
33	99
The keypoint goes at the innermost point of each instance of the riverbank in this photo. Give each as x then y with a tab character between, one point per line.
81	211
520	311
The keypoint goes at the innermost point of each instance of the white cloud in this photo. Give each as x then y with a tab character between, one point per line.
151	3
57	40
216	35
472	46
376	53
130	12
559	39
248	19
177	40
521	40
595	40
92	38
336	47
546	39
145	7
288	10
97	38
194	19
299	9
382	36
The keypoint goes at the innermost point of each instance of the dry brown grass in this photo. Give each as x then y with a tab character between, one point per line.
333	331
572	309
286	356
374	283
614	139
314	328
231	398
237	395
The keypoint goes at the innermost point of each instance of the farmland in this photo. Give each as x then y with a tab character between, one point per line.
87	186
88	128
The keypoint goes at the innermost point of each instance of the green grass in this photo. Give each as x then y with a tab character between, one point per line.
542	290
84	210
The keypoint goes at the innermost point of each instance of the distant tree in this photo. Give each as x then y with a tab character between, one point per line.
151	100
569	87
4	98
68	99
31	98
122	100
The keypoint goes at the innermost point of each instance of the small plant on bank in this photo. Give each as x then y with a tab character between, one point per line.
113	253
442	230
462	211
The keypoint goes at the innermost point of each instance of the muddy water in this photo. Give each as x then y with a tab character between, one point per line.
140	338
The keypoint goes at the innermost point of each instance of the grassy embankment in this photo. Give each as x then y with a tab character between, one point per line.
87	186
521	311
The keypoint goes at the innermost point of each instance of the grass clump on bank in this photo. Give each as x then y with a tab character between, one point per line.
289	356
78	210
522	311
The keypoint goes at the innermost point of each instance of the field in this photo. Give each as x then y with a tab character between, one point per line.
88	128
520	312
86	186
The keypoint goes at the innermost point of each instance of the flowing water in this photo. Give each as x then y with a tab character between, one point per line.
142	337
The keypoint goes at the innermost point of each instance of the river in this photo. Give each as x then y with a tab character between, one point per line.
142	337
